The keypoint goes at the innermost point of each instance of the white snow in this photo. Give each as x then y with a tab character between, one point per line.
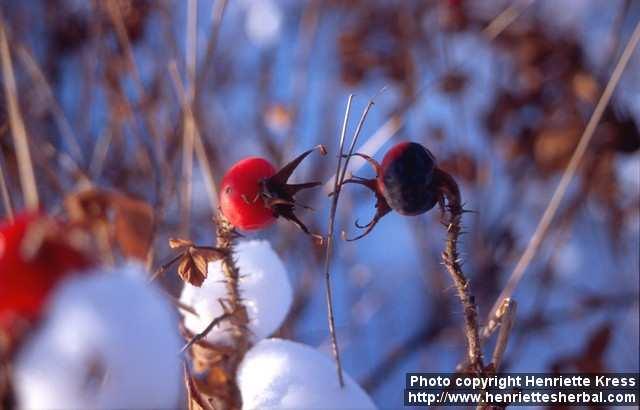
263	22
264	287
110	340
282	374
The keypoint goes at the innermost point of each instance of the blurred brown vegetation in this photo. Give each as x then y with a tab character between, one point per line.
102	109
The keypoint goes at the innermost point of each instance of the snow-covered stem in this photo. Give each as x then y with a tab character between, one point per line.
233	306
227	234
453	213
197	337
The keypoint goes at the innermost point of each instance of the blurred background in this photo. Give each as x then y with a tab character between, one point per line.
111	93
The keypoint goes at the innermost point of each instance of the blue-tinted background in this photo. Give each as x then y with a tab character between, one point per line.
501	114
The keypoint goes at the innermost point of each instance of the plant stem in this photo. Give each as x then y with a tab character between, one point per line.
226	237
453	209
329	249
234	310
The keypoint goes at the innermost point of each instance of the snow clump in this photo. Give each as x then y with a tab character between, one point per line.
281	374
109	340
264	287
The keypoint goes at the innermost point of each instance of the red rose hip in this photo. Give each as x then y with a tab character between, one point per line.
32	263
253	194
240	198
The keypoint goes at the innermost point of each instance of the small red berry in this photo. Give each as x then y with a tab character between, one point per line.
253	194
408	182
240	200
31	265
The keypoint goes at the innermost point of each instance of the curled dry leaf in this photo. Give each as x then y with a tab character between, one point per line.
194	260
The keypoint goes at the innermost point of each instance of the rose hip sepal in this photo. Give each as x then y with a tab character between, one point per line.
408	182
253	194
34	258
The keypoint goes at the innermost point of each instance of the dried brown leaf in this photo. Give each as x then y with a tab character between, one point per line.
190	272
134	226
129	221
193	263
179	243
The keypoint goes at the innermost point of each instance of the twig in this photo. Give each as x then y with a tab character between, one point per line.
308	32
20	139
4	190
567	176
508	315
201	153
217	15
215	322
61	121
162	269
505	18
327	260
233	304
332	216
451	260
188	125
182	306
115	15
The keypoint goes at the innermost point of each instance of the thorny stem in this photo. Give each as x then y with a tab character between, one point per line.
206	331
453	210
234	309
226	237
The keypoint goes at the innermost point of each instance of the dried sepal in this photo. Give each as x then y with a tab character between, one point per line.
278	194
382	207
408	182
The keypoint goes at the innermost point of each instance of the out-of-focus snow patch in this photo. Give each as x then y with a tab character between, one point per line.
569	260
263	22
264	288
109	340
282	374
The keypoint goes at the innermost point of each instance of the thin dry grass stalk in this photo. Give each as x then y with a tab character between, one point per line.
21	141
4	191
508	316
201	153
39	78
329	248
188	121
